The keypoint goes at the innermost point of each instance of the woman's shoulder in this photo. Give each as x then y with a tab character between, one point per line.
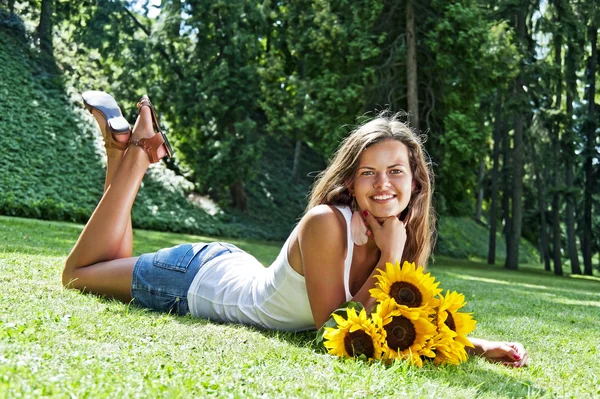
322	234
324	218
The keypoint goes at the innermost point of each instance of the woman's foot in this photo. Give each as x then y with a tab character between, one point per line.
116	144
146	138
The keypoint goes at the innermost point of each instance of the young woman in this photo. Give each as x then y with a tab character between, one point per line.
370	206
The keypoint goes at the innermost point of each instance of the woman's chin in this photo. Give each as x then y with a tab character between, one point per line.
383	213
383	217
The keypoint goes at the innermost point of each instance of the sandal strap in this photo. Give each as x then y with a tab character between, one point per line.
145	102
150	146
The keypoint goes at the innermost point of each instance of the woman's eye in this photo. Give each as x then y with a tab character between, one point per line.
367	173
396	171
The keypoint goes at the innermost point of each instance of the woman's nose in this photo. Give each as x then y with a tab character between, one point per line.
381	182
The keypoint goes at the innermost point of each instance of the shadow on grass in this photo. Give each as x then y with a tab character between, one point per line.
485	378
303	339
524	270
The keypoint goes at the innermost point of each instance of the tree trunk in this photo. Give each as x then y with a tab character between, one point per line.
236	189
238	196
544	244
11	6
44	34
506	189
556	231
571	83
479	202
590	152
512	245
411	67
555	134
301	71
297	152
498	130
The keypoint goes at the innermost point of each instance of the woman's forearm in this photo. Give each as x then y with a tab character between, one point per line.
363	295
478	348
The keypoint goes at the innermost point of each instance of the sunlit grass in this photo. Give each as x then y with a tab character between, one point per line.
61	343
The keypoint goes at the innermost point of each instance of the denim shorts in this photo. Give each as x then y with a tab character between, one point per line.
161	280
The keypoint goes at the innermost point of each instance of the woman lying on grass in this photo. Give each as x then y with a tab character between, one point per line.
372	205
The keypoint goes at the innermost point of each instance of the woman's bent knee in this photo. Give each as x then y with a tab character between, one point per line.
68	277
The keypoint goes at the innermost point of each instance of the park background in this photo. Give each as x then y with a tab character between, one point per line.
255	97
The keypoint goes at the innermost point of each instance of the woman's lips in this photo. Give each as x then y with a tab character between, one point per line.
383	198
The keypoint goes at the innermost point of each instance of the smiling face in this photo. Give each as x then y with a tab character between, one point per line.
383	181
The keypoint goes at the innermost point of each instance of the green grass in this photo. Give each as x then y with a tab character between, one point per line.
61	343
462	237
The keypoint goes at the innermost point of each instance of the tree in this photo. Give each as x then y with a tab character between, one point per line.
461	91
218	103
569	150
319	60
541	152
493	217
44	34
556	138
512	245
411	67
590	148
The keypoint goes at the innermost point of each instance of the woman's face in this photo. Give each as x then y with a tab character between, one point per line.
383	181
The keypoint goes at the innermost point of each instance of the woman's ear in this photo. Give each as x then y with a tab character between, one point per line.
349	186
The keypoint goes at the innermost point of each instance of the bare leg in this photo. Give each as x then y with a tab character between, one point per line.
92	263
113	161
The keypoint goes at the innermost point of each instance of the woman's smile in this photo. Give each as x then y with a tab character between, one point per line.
383	198
383	181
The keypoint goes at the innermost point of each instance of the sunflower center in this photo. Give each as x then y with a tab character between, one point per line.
401	333
406	294
450	321
359	343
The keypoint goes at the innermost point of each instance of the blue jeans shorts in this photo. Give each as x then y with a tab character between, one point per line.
161	280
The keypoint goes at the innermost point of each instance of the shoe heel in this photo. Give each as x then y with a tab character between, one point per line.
88	106
107	106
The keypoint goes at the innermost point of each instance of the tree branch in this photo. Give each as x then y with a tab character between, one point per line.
160	49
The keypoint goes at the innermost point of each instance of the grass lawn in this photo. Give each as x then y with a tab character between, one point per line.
57	342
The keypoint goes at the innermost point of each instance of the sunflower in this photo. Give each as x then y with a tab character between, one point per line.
354	336
405	331
453	327
406	285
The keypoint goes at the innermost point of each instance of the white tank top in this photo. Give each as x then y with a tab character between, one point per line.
237	288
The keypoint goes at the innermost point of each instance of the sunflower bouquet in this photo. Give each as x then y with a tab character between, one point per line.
412	321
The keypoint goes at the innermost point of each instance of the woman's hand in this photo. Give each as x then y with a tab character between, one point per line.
511	354
390	236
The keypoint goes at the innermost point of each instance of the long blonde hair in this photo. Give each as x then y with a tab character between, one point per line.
330	187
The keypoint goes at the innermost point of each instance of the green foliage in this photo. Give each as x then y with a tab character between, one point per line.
237	82
487	63
51	168
275	202
49	146
318	61
45	149
220	127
